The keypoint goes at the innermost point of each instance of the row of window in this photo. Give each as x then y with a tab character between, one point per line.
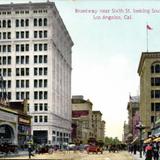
5	60
40	95
22	95
23	12
40	59
41	107
40	119
5	13
40	34
60	133
5	72
41	83
22	47
40	21
40	11
5	48
22	34
22	59
5	23
5	35
5	95
25	95
40	47
22	22
22	83
5	84
40	71
22	71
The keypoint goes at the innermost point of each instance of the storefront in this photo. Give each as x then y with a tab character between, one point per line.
15	126
24	129
8	125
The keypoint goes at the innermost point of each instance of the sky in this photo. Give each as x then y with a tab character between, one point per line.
107	51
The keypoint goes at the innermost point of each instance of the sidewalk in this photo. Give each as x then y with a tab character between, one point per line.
137	156
20	153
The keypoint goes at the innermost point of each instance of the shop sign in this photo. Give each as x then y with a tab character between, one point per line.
22	120
80	113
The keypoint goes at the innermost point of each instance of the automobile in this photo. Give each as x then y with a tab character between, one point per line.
71	146
94	149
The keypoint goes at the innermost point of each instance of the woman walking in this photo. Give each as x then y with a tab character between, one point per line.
149	152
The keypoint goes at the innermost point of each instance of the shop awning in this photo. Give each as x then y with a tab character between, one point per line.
156	139
148	140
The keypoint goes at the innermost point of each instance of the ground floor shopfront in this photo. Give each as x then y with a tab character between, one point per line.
53	137
8	126
15	126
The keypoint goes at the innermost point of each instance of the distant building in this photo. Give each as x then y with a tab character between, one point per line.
98	125
81	119
149	72
133	115
36	64
125	133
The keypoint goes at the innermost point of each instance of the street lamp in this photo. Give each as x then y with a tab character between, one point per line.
140	127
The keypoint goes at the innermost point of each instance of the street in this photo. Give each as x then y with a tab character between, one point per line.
122	155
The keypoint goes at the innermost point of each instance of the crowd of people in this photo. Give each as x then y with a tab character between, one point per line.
150	150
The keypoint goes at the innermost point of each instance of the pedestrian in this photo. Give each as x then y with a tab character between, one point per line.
30	151
155	151
149	152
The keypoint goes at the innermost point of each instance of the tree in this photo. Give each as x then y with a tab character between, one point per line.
110	140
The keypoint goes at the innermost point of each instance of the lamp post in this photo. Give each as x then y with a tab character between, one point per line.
140	127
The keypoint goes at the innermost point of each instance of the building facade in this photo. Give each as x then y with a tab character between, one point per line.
81	119
133	112
35	63
149	72
98	125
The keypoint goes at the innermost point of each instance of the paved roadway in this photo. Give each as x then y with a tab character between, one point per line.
123	155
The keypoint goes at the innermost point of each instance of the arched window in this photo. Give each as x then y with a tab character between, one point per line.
27	22
9	23
17	22
157	68
45	21
35	22
40	22
22	22
4	23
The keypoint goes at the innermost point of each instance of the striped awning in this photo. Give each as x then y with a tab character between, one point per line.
156	139
148	140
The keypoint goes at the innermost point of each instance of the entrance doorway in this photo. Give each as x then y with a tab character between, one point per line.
6	134
40	137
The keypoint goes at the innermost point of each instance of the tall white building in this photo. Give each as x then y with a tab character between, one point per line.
35	62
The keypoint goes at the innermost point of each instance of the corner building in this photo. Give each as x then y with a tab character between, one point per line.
149	72
35	63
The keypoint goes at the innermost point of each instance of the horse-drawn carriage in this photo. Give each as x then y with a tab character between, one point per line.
7	148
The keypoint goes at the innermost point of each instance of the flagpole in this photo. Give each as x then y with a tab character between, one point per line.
147	36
